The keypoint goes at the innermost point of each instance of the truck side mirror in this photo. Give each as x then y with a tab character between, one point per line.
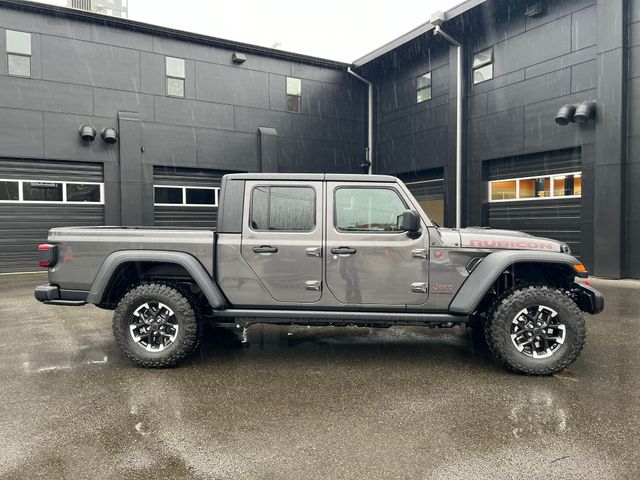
409	221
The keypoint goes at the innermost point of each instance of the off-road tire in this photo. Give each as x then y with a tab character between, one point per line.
504	310
185	311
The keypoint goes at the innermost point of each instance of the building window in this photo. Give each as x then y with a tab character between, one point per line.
373	210
567	185
288	209
423	87
483	66
294	94
44	191
19	53
175	76
179	196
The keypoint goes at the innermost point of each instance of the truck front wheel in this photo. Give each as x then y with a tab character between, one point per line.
156	325
535	330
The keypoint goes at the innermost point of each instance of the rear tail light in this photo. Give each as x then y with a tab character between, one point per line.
48	254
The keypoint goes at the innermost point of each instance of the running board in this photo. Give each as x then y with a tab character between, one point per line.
343	316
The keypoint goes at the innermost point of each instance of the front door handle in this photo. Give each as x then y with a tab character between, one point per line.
314	252
265	249
343	251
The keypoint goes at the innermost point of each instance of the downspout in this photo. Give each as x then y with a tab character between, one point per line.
369	155
458	45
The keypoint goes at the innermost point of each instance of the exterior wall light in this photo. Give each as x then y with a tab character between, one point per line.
565	115
238	58
584	112
576	113
87	133
109	135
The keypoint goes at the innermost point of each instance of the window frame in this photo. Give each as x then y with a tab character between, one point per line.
270	185
482	65
173	77
551	196
184	203
420	89
298	96
14	53
367	187
64	184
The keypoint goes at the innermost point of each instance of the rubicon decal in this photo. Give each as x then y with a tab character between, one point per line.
523	244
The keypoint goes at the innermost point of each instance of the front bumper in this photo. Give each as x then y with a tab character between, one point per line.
52	295
590	300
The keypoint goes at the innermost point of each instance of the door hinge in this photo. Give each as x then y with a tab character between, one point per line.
419	253
419	287
314	251
313	285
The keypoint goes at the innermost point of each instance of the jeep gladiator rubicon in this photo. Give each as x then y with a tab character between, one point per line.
323	249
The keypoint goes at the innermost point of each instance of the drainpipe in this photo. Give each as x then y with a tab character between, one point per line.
458	45
369	155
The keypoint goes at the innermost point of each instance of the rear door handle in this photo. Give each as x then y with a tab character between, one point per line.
265	249
343	251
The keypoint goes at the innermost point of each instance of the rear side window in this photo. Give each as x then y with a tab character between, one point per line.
367	209
289	209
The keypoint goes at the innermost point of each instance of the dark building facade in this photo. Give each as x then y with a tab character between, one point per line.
187	109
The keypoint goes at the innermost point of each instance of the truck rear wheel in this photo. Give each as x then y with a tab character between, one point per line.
535	330
156	325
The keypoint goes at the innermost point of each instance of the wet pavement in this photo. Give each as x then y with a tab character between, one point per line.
312	403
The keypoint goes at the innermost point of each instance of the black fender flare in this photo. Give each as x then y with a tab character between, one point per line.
188	262
491	267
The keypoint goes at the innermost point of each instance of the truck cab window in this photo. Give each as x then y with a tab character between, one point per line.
367	209
290	209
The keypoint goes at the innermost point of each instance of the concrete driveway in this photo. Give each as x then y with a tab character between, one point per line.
317	403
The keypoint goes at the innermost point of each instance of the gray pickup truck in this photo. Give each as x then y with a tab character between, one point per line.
322	249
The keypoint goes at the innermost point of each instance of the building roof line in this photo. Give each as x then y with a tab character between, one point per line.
416	32
179	34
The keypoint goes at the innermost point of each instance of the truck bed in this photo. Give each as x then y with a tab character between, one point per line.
83	250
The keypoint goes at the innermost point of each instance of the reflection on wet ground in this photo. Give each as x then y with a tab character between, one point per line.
310	402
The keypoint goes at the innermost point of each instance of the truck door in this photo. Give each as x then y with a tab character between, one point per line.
282	238
368	261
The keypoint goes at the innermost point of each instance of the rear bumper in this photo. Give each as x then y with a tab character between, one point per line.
52	295
590	300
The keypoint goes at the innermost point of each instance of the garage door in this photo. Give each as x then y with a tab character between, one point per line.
428	189
38	195
186	198
538	194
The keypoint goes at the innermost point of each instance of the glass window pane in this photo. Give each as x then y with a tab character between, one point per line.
293	103
424	80
42	191
505	190
201	196
483	74
19	65
535	187
367	209
9	191
292	209
170	195
79	192
482	58
294	86
423	94
577	184
175	87
260	208
175	67
18	42
289	209
565	185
